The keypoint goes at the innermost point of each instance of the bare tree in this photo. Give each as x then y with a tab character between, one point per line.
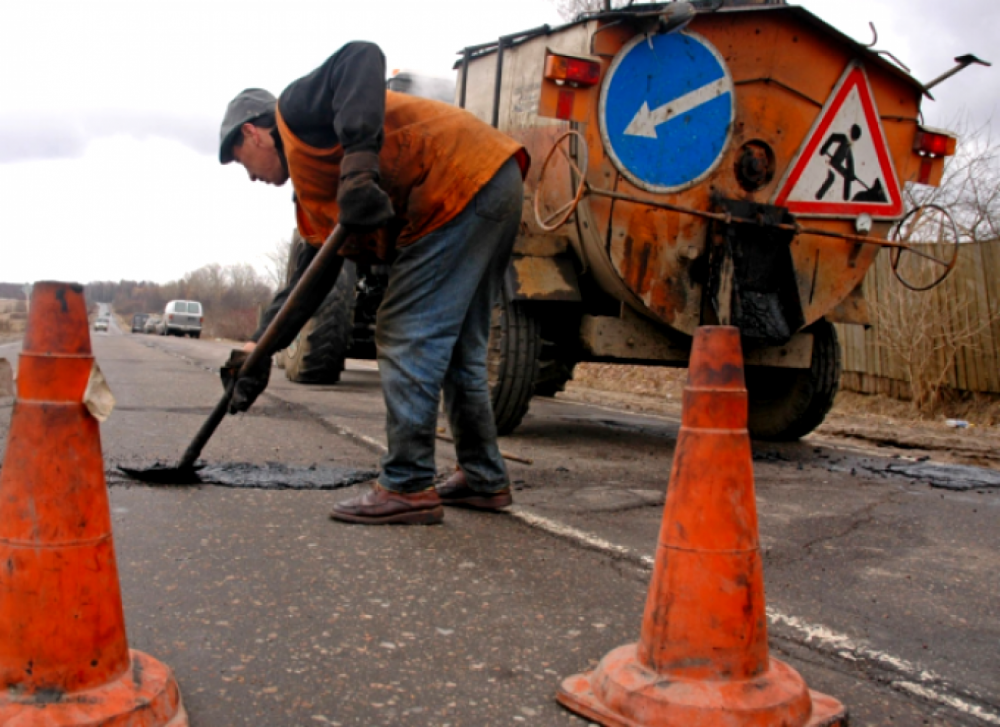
926	332
245	287
276	269
570	10
206	284
970	188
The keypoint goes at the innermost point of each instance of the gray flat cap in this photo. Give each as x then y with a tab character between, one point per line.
249	104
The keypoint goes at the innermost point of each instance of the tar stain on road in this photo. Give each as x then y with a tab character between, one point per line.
939	475
947	477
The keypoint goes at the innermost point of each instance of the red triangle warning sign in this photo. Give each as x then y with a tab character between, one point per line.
844	169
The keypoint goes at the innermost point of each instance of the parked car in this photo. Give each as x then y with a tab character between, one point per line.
183	316
138	321
101	324
153	324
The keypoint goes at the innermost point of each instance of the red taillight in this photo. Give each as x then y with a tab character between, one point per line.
564	107
170	318
934	143
574	71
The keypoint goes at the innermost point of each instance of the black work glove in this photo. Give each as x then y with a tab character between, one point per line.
363	204
248	387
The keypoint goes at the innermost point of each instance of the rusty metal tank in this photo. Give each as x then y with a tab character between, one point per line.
693	163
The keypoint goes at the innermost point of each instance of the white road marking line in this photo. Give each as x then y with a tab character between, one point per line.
840	644
363	439
645	121
579	536
833	642
959	705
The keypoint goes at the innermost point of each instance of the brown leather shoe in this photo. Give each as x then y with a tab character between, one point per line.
380	506
456	491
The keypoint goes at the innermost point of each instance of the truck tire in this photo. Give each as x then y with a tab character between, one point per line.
317	354
512	362
787	404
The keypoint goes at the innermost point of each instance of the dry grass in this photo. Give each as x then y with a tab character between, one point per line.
667	384
641	380
979	409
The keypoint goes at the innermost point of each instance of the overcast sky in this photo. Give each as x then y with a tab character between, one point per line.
110	110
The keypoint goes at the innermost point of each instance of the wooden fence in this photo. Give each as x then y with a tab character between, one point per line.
955	327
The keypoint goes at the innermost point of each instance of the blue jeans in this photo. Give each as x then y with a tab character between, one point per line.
432	332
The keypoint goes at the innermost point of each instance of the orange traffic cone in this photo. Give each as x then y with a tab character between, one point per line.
64	656
702	658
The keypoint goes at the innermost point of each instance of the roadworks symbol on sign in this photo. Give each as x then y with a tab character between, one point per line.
844	168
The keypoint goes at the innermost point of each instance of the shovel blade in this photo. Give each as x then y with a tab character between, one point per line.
163	473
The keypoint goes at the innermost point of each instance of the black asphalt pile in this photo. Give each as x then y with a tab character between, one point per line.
269	476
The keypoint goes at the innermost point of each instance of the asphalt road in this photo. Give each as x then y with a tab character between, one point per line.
882	590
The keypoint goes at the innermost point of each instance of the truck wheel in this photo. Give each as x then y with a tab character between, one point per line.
515	340
317	354
786	404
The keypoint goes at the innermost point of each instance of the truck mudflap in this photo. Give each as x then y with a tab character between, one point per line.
752	278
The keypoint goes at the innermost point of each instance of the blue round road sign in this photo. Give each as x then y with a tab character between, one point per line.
666	110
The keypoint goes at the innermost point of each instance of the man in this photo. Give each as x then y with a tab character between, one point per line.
436	192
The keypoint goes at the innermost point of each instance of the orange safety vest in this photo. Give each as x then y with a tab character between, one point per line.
434	159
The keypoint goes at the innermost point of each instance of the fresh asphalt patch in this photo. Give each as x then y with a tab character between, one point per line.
269	476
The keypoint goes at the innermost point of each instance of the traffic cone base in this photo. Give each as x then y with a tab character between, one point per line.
702	657
146	695
621	692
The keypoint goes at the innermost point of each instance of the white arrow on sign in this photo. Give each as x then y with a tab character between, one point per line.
645	121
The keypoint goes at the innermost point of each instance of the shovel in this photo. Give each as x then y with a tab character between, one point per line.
318	279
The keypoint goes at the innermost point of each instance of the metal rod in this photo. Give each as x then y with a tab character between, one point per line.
303	301
193	450
505	455
465	78
502	42
522	36
496	84
768	81
963	63
728	219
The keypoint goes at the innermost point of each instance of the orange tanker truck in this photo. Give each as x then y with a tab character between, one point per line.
723	162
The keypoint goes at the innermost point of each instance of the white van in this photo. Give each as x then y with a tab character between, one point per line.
183	316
